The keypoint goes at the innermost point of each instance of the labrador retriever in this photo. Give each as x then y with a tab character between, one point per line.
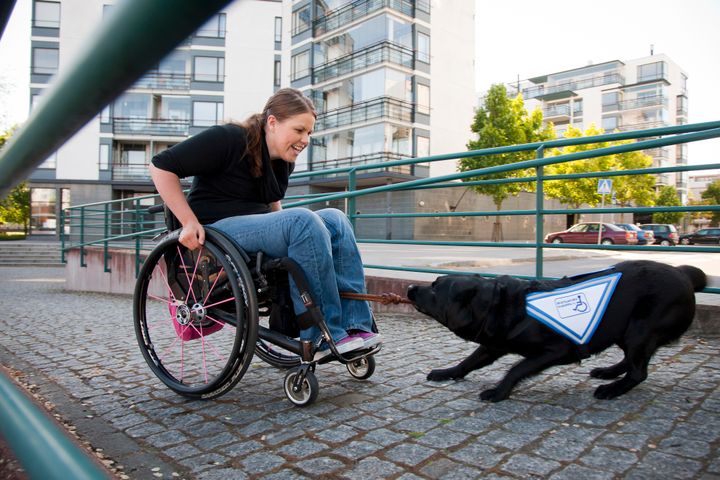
652	305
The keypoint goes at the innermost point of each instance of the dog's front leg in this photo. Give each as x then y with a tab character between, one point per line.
523	369
481	357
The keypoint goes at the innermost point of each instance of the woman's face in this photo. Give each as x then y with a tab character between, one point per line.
287	138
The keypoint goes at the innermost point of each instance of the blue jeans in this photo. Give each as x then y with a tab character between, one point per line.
323	244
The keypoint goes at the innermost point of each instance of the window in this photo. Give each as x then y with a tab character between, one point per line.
423	99
610	101
577	107
132	105
104	160
209	69
681	106
301	65
213	28
610	123
276	73
46	14
301	20
423	47
422	146
207	114
45	61
42	210
278	29
651	71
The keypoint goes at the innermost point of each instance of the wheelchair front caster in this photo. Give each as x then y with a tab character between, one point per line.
362	368
301	386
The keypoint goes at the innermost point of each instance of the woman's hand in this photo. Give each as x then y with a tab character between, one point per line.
192	235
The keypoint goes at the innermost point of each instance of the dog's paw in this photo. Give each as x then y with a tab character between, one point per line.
442	374
606	392
493	395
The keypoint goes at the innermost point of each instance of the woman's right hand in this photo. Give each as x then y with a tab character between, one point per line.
192	235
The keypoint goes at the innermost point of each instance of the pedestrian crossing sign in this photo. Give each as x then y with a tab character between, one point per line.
604	186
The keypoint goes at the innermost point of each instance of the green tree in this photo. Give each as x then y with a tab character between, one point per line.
15	208
712	196
499	122
628	189
667	196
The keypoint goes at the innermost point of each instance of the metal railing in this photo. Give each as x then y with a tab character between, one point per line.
380	52
374	109
345	14
108	223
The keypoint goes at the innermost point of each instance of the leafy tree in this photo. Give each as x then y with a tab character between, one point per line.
712	196
15	208
499	122
667	196
575	193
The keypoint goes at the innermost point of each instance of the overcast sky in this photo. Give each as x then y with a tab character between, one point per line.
519	38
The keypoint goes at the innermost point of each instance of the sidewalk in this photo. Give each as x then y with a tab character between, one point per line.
79	351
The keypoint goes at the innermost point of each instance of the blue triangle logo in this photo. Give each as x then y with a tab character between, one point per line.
574	311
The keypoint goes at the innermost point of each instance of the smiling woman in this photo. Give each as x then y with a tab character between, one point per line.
240	173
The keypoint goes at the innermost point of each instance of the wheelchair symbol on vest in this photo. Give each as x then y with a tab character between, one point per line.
571	305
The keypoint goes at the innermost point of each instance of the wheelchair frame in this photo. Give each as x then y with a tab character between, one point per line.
197	319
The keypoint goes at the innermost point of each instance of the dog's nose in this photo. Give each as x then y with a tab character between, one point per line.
411	292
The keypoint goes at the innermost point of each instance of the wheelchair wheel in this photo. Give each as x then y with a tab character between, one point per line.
307	391
195	316
362	368
276	356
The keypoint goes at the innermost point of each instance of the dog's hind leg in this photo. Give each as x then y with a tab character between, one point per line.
607	373
637	360
481	357
526	368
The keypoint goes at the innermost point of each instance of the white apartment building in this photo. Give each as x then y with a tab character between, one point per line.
621	95
391	79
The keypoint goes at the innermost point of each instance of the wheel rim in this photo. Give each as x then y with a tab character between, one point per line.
191	323
362	368
308	389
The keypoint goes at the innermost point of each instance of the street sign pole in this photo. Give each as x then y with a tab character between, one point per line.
604	187
600	226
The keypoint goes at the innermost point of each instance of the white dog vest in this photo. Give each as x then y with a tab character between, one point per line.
574	311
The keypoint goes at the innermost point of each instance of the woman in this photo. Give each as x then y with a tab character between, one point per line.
240	175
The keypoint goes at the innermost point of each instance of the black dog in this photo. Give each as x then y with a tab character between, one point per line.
653	304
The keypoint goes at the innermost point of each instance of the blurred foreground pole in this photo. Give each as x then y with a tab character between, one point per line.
129	42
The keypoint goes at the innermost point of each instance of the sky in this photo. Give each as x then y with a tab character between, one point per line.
518	39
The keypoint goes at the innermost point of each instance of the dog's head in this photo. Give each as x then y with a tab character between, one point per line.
465	304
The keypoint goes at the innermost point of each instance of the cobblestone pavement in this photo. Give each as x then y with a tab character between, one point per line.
79	350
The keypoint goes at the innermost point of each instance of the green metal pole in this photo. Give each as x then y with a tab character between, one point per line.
82	237
134	38
352	185
539	218
62	236
44	451
106	253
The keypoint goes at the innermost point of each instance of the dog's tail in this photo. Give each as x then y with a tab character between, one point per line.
697	277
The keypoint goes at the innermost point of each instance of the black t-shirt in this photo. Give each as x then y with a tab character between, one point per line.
223	185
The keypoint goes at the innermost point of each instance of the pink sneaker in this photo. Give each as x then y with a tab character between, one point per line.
347	344
369	339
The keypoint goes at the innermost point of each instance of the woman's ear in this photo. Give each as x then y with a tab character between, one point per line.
271	122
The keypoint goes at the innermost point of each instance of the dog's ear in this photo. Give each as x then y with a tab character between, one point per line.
485	306
505	306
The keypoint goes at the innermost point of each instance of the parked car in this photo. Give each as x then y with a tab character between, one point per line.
645	237
665	234
703	236
587	232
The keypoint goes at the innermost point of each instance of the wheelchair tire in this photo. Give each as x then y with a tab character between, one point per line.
276	356
195	315
362	368
308	390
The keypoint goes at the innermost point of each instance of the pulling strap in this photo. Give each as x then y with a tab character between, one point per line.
384	298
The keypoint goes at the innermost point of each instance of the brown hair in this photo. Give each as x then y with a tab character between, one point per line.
284	104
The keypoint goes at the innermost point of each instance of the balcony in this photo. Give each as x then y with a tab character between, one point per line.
567	89
381	107
164	81
151	126
557	112
643	102
130	172
660	153
642	126
341	16
363	160
377	53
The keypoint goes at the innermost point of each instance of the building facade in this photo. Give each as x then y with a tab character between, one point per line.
637	94
369	65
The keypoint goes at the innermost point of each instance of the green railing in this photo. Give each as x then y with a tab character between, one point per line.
125	223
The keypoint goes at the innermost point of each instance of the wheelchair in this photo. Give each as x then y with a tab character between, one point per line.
197	317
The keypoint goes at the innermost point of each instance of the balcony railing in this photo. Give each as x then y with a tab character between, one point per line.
347	13
557	111
642	102
378	53
363	160
381	107
164	81
130	172
150	126
596	81
642	126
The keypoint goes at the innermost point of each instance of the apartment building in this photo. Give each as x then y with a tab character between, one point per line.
223	71
620	95
391	79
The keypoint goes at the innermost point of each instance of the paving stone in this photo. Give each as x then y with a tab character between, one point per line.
321	466
609	459
409	454
524	465
262	462
372	468
301	448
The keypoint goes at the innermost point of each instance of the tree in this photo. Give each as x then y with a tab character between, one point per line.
503	121
15	208
712	196
575	193
667	196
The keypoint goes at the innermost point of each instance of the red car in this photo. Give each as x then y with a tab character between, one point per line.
587	232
